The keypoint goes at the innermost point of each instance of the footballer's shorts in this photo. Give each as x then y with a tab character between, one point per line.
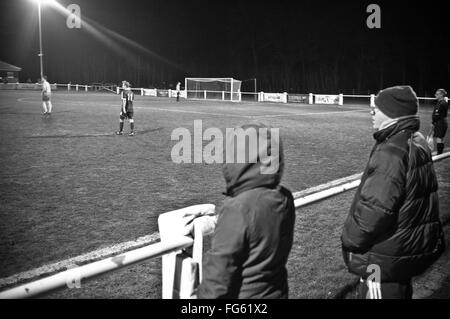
45	97
127	115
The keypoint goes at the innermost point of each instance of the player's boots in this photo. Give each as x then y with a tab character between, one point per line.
119	133
132	129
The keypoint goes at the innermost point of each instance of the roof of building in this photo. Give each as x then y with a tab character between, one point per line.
9	67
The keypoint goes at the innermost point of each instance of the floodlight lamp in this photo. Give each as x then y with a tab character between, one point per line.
44	1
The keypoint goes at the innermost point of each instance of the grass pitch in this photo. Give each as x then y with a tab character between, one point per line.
68	185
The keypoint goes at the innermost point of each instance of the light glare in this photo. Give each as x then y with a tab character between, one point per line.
44	1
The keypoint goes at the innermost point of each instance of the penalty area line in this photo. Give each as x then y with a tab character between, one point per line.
190	112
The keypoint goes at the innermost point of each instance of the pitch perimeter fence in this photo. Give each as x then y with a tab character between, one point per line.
284	97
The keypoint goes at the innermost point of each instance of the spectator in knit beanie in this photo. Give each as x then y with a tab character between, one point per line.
393	231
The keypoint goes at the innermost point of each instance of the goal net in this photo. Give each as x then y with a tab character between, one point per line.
111	87
225	89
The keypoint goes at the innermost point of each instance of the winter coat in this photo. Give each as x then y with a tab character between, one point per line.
394	219
253	236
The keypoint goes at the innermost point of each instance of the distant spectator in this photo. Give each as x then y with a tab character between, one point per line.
254	232
394	221
178	88
439	119
46	96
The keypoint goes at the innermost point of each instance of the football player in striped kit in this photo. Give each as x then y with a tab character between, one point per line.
439	119
126	111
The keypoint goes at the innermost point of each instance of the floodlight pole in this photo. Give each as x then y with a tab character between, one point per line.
40	41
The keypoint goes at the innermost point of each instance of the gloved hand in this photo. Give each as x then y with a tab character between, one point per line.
188	219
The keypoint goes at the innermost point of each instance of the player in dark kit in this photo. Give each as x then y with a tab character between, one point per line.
439	119
127	108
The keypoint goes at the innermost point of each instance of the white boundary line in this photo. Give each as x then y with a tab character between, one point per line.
303	197
78	260
122	247
193	112
303	114
322	187
111	263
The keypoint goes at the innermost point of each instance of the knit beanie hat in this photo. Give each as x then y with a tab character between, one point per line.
397	101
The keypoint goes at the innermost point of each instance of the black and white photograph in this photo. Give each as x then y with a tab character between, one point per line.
199	150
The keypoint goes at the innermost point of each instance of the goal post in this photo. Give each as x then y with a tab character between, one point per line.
225	89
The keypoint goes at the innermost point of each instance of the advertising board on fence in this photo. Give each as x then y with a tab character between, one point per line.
274	97
298	98
162	93
150	92
173	93
326	99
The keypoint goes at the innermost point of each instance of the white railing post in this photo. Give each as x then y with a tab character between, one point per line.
142	92
173	224
86	88
76	87
204	94
372	100
68	86
262	96
223	95
341	99
311	99
285	97
118	90
239	96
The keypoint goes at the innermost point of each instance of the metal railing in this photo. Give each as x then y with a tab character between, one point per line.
73	276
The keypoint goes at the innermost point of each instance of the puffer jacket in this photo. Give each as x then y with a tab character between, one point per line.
394	218
253	235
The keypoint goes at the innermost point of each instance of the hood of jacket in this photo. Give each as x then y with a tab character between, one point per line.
263	171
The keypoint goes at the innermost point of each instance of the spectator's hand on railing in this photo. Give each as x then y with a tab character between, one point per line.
206	223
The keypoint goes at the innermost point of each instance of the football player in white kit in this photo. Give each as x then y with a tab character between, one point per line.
46	95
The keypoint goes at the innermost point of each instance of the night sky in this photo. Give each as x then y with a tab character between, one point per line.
296	46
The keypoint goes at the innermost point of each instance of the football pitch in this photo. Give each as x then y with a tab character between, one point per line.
69	185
